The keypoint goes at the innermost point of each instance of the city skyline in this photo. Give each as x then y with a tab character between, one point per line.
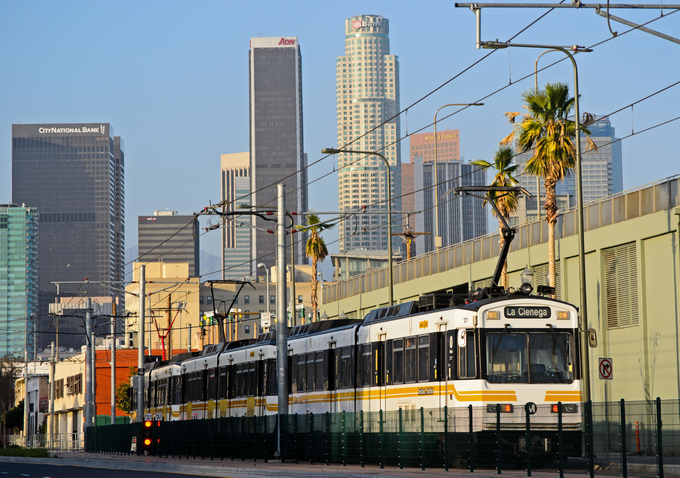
207	114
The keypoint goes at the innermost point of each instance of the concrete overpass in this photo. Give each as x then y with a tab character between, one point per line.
632	279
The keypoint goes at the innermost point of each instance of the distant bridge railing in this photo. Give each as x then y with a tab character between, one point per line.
640	201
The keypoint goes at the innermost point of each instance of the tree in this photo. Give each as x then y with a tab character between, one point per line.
506	202
547	131
123	393
317	251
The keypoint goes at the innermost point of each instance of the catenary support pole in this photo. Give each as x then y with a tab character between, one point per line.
113	362
281	322
140	344
88	365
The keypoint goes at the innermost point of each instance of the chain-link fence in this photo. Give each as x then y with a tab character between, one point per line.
644	436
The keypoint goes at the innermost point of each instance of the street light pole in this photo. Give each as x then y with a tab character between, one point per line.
579	187
389	210
437	237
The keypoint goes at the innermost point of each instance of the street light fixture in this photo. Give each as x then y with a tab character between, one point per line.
389	210
494	45
437	237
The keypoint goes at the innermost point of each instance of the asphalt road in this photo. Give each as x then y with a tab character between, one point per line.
55	471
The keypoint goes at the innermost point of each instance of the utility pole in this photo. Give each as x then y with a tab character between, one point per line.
52	372
113	361
189	344
140	344
89	389
169	334
281	321
26	383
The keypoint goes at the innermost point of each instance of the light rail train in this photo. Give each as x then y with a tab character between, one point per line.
507	348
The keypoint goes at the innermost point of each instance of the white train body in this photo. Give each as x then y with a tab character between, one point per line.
508	350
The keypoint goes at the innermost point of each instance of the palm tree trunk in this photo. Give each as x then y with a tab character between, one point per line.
551	217
315	284
504	271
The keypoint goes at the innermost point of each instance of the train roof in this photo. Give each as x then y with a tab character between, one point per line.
312	328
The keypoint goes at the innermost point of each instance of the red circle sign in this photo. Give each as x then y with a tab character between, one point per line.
606	368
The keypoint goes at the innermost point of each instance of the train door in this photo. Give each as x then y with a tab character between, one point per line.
332	374
439	366
261	371
379	370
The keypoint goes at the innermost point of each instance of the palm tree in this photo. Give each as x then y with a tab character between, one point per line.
506	202
547	129
317	251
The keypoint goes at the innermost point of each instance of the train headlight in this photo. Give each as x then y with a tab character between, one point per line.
493	315
566	408
563	315
505	408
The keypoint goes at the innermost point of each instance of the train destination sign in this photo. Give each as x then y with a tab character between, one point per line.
525	312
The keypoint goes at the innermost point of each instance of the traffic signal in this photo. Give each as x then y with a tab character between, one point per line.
147	437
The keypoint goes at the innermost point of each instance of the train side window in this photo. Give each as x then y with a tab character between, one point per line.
301	382
273	387
331	369
223	383
212	384
467	365
346	369
410	360
310	373
252	380
292	370
399	361
424	358
366	366
238	389
320	382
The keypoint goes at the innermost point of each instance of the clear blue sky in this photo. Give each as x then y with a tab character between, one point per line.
171	77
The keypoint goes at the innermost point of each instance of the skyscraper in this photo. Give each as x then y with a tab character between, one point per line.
602	171
460	218
18	277
367	79
169	237
236	235
276	141
73	174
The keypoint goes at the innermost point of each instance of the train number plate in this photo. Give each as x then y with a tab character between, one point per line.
518	312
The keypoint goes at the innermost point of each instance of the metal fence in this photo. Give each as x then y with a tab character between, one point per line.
641	437
57	441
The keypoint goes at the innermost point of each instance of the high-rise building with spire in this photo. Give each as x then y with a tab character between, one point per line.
367	77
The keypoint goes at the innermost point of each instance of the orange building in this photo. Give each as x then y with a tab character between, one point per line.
448	146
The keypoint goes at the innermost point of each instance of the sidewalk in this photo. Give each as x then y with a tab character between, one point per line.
250	469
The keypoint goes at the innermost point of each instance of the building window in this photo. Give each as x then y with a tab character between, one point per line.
209	299
261	299
246	299
299	299
272	299
235	299
246	329
200	299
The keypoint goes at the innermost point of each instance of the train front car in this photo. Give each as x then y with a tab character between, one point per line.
514	354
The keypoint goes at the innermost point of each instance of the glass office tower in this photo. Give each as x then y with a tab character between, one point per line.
367	95
276	142
169	237
18	278
236	235
74	175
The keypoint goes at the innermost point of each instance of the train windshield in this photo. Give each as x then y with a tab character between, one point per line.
530	357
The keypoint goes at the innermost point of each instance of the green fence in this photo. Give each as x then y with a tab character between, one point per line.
493	436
